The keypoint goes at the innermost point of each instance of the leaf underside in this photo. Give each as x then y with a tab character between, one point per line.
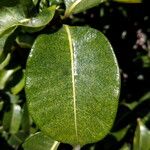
72	85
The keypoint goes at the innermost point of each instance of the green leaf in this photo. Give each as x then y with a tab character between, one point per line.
5	62
5	75
14	141
72	85
15	16
1	105
9	3
120	134
14	99
12	119
141	137
42	19
76	6
3	38
128	1
55	2
25	41
146	61
25	123
16	119
125	147
42	142
10	17
135	104
19	86
35	2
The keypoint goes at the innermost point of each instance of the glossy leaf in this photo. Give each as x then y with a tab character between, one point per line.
142	137
42	142
16	119
12	119
42	18
10	17
72	85
14	16
76	6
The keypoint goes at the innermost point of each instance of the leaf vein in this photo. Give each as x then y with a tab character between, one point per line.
73	78
72	7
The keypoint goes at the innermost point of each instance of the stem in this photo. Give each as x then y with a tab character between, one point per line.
77	147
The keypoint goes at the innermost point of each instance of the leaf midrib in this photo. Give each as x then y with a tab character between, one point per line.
72	7
73	77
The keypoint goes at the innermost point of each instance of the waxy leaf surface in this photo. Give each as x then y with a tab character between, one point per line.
72	85
15	16
41	142
76	6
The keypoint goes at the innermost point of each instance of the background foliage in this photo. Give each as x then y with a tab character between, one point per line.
126	25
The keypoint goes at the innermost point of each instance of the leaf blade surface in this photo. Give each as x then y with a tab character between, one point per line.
76	6
76	85
42	142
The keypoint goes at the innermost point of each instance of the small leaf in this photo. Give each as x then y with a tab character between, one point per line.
42	18
14	99
25	123
16	119
1	105
73	81
5	75
12	119
76	6
25	40
125	147
37	23
41	142
135	104
3	39
141	137
14	141
121	133
55	2
19	86
35	2
128	1
5	62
